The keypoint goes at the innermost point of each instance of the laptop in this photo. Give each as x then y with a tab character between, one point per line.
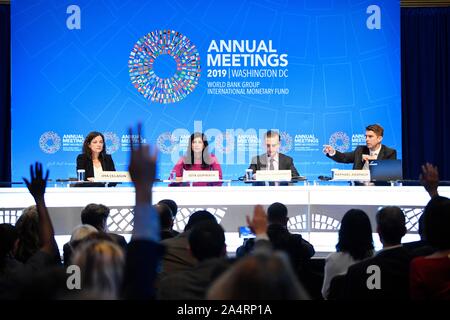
386	170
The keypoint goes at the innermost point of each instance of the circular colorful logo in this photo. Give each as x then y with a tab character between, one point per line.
229	143
50	142
340	141
164	89
285	142
112	142
166	142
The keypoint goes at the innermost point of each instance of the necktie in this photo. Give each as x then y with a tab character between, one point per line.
366	165
271	167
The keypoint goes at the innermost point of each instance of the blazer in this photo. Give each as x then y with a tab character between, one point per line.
177	256
83	162
394	278
284	163
355	156
193	283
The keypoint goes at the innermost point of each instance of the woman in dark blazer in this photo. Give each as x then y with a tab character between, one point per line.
94	157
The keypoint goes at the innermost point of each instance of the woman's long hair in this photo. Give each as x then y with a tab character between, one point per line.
189	158
355	235
27	227
101	263
87	151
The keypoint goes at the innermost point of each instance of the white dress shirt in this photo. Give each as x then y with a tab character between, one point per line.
375	153
97	171
373	156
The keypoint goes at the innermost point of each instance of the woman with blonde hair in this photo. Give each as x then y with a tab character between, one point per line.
101	264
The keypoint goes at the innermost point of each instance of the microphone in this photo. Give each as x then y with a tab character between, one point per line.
324	178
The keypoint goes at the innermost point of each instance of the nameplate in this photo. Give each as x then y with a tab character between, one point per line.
200	176
350	175
113	176
273	175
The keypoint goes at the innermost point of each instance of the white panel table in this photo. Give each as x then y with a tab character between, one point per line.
315	211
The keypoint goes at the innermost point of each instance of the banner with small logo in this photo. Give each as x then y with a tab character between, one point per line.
316	71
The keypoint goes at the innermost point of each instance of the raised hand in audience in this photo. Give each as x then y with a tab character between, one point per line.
430	179
38	182
142	167
36	185
258	223
144	251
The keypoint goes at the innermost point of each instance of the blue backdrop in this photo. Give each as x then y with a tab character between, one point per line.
318	71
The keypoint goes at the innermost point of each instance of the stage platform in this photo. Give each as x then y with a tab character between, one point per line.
315	211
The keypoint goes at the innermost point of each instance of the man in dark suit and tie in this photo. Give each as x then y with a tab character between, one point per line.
272	159
360	157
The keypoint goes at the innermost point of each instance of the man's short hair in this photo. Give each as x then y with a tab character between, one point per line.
171	204
437	223
277	213
165	215
95	215
391	224
272	134
197	217
207	240
379	131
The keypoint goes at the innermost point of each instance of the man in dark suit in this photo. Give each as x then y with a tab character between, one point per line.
95	215
298	249
272	159
207	245
386	275
177	257
360	157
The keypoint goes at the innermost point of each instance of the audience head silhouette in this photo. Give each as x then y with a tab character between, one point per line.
258	277
165	216
101	264
391	225
277	213
437	223
95	215
171	204
198	216
80	232
207	240
28	231
355	235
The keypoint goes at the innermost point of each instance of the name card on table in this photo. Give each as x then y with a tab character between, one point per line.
273	175
350	175
113	176
200	176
